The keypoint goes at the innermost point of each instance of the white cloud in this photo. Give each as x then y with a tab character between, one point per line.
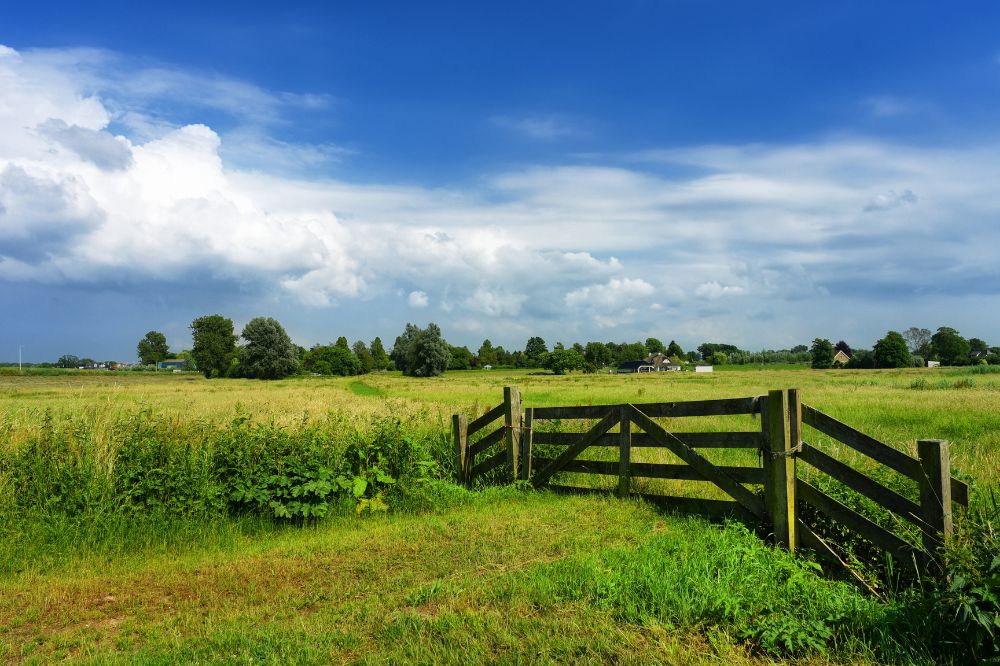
727	236
544	128
417	299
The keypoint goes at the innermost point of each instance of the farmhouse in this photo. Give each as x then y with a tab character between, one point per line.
840	358
662	363
628	367
171	364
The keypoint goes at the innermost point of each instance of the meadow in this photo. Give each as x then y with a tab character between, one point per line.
165	518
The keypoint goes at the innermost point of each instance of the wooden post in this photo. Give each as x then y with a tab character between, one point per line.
512	422
935	493
526	441
460	431
779	466
625	450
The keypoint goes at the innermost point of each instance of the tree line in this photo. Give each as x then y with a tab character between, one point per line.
912	348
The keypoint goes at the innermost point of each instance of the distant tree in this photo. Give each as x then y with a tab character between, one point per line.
978	345
949	347
380	359
693	356
214	345
822	354
365	360
674	350
487	354
892	351
87	362
402	345
68	361
461	358
654	346
534	352
719	358
268	353
633	351
919	340
844	347
597	353
331	360
152	348
428	353
342	342
578	348
799	349
862	359
562	360
706	349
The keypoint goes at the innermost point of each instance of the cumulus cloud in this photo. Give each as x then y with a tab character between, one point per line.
689	238
417	299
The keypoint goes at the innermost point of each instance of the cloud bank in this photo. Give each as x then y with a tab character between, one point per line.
101	186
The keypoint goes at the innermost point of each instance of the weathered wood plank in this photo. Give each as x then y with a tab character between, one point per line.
711	508
721	407
779	465
696	440
701	465
512	422
489	464
486	419
861	442
624	450
959	492
486	442
573	451
868	487
527	444
657	470
459	430
935	493
854	521
576	412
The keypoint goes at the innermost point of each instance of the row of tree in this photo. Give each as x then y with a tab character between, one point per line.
912	348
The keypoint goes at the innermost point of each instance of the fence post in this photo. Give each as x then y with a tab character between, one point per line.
935	493
460	432
779	465
512	422
526	443
624	450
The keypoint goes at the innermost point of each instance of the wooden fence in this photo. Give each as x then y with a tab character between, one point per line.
770	492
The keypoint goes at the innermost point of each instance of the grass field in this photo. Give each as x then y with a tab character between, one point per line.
446	575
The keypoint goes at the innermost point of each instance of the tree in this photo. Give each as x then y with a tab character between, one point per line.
919	340
68	361
562	360
152	348
365	361
654	346
331	360
799	349
634	351
706	349
428	354
719	358
598	354
487	355
402	345
214	345
461	358
950	347
822	354
892	352
674	350
978	345
380	360
534	352
844	347
268	353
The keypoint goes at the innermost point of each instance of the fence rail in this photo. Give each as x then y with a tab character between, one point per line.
778	438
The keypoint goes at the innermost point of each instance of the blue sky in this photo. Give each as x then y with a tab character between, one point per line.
755	174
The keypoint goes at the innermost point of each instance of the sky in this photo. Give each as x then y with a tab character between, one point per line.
753	173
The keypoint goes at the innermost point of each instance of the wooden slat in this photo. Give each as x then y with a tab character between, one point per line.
486	419
710	508
696	440
489	464
854	521
573	451
709	471
855	480
578	412
861	442
486	442
959	492
657	470
723	407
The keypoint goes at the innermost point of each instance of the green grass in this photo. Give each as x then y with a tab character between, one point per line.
120	539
